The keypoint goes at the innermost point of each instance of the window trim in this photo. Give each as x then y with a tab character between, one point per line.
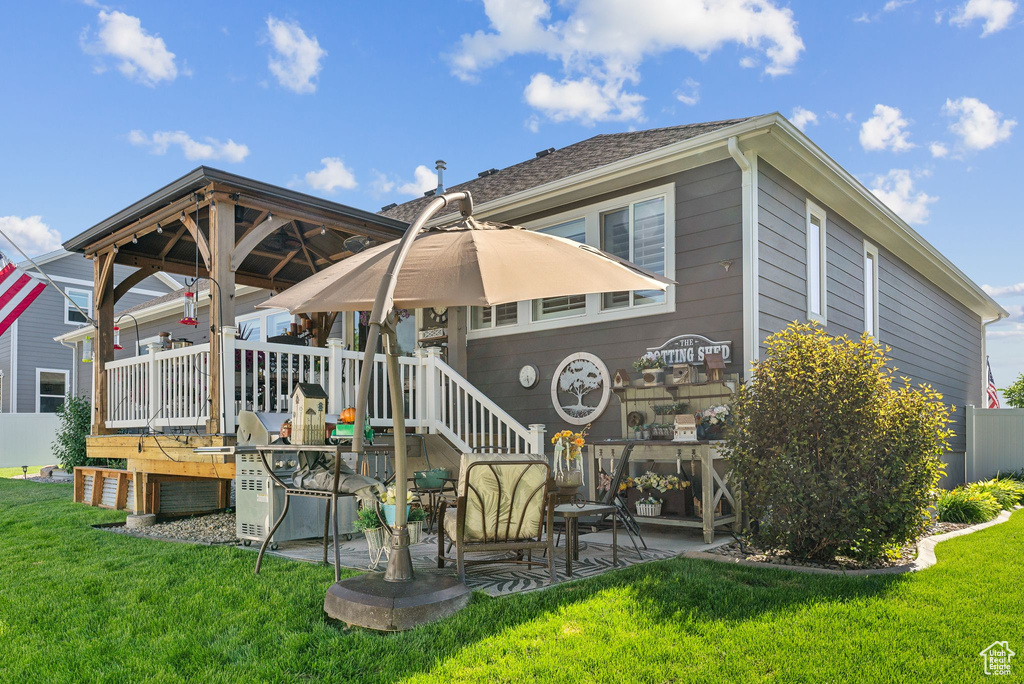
261	315
68	307
593	313
872	288
814	211
67	383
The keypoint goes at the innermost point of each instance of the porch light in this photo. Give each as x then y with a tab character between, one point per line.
188	316
87	350
117	338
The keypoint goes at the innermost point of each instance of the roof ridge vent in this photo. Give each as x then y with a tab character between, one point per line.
544	153
430	193
488	172
389	207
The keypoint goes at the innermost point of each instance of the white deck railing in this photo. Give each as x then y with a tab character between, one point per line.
170	388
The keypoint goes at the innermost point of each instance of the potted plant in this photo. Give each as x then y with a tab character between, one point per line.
569	457
388	507
652	367
711	422
648	507
376	536
417	516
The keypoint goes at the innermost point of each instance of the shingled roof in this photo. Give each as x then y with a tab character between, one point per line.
567	161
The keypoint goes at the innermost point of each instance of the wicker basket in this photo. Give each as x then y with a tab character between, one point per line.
648	510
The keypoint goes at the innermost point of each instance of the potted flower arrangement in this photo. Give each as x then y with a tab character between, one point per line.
648	507
388	506
569	457
652	367
417	517
669	490
373	530
711	422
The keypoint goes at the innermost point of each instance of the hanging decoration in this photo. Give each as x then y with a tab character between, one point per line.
117	338
87	350
188	316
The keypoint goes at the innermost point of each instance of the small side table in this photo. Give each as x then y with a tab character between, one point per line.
572	514
434	496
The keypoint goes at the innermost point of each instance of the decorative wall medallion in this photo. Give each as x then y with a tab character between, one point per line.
580	388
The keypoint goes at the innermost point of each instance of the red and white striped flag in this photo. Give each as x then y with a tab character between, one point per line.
993	397
17	291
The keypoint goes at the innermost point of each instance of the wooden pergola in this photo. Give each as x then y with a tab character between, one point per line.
230	229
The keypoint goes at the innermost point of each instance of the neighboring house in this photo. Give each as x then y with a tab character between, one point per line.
758	226
36	372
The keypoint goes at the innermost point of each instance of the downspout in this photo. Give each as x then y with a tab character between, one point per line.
74	366
984	384
751	327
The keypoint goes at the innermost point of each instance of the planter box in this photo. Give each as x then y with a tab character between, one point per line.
649	510
677	502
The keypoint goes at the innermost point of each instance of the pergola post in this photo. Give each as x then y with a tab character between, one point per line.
103	349
222	306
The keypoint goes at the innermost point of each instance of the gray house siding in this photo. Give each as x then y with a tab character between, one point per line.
709	301
5	369
934	338
44	320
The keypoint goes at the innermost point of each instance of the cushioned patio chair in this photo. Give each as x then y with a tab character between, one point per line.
501	505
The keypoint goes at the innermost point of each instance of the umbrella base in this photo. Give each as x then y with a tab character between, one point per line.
371	602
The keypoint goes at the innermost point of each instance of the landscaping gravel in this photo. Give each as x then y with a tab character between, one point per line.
906	555
216	528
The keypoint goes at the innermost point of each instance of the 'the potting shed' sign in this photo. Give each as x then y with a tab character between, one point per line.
691	349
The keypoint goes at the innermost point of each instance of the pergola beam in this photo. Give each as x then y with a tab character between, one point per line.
197	235
255	236
145	225
122	288
318	218
189	270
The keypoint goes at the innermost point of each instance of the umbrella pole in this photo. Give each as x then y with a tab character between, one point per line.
400	561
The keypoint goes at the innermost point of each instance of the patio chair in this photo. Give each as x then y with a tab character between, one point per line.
501	505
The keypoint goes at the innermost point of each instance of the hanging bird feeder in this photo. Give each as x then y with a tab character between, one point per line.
188	316
117	338
87	350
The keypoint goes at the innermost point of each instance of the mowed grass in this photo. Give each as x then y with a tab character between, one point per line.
79	604
17	472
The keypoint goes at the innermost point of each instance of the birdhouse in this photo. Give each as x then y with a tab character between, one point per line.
685	428
309	407
621	379
714	367
682	374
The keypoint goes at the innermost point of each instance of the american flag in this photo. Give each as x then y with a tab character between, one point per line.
17	291
993	397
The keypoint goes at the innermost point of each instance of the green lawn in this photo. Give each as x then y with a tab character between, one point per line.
17	472
82	604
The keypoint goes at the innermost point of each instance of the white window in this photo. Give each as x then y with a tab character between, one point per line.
261	325
82	298
51	389
278	324
817	278
870	289
637	227
572	305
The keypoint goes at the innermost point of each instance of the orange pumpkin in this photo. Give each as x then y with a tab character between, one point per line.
348	416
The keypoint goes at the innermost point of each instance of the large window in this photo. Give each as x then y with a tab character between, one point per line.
637	227
870	289
82	298
51	388
572	305
262	325
816	275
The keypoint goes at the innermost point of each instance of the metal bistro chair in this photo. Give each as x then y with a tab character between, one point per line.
289	491
501	506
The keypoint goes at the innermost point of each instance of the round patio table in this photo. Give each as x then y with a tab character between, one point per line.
572	514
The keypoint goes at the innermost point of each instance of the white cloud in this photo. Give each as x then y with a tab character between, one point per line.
896	190
691	95
995	13
802	118
381	184
1004	290
938	150
208	149
601	45
141	56
978	126
298	58
748	62
532	123
423	179
1015	330
30	233
582	99
331	176
893	5
886	130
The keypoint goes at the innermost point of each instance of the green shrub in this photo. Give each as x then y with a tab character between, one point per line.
367	519
417	514
966	505
1014	394
1017	475
1008	493
834	454
75	416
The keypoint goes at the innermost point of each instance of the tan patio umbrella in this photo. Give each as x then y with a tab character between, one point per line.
470	263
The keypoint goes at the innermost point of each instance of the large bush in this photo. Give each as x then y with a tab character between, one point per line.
1014	394
75	416
835	454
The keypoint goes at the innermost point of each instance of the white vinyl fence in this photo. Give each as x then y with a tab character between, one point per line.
27	439
995	442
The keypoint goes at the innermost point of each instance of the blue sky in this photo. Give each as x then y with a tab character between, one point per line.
918	98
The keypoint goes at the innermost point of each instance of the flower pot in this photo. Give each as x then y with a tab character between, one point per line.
389	512
415	531
648	510
377	542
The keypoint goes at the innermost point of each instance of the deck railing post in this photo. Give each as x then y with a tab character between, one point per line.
335	367
431	389
153	380
227	375
537	444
